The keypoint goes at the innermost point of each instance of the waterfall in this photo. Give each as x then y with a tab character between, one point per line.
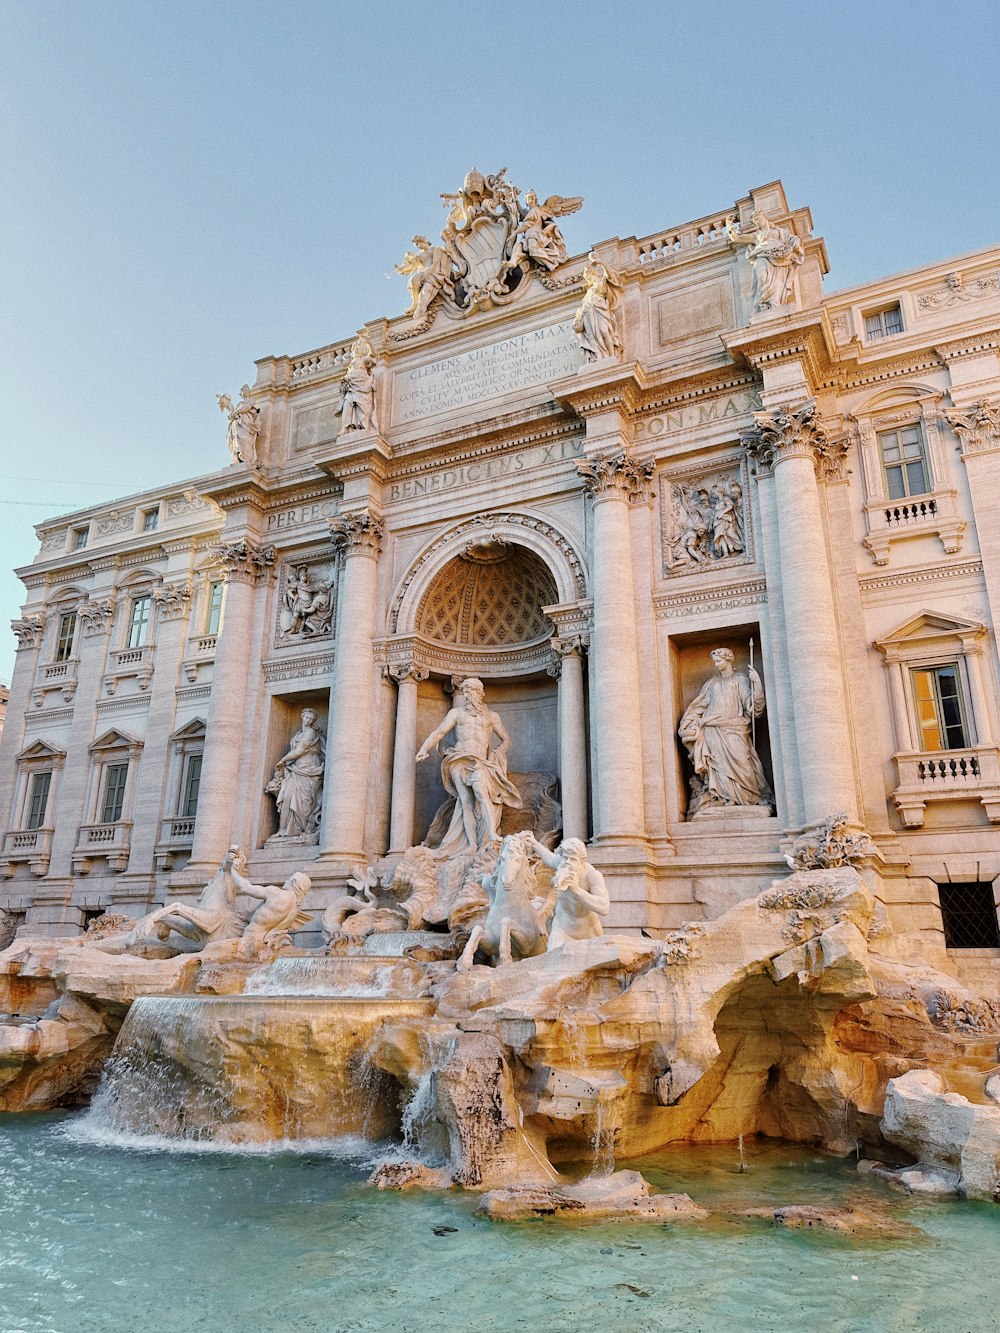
353	978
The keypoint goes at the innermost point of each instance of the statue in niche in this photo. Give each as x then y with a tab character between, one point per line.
774	252
357	389
244	425
429	268
579	896
297	782
716	729
474	771
306	604
596	323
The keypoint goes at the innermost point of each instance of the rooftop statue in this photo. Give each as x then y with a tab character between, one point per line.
491	241
474	771
775	253
244	425
596	323
357	389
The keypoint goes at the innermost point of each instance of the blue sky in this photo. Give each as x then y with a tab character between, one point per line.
190	186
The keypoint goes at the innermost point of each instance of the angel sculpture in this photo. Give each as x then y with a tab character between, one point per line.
596	323
536	237
243	426
430	270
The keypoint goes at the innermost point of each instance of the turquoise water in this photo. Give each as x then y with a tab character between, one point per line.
95	1237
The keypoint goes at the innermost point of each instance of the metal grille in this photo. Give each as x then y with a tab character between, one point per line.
970	916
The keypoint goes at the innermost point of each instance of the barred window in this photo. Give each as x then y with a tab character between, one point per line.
969	914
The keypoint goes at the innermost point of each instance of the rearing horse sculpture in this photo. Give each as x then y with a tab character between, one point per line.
513	922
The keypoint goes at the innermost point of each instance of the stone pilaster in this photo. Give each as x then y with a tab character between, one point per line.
245	568
615	481
352	699
404	768
29	632
792	444
977	426
572	735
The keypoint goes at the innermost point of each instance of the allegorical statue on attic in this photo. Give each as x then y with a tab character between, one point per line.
244	426
357	389
775	253
596	321
491	243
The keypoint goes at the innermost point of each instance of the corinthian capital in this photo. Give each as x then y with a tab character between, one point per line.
977	426
243	562
96	617
794	432
615	476
357	534
28	631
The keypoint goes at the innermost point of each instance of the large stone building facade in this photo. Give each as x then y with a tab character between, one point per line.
574	479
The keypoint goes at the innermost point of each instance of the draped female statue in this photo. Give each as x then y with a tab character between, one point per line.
298	780
715	729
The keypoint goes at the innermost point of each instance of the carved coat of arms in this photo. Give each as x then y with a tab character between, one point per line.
492	240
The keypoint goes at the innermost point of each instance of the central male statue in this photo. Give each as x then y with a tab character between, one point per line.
474	771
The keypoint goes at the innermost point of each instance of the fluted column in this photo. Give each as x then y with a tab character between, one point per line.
572	736
615	481
352	700
795	447
404	765
245	566
977	425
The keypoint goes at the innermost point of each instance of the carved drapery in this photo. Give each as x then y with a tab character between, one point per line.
796	432
243	561
977	426
616	476
357	534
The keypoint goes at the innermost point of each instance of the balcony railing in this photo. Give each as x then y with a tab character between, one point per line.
125	662
31	846
947	775
176	840
934	515
109	841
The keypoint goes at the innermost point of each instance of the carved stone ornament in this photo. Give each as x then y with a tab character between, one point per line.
96	616
172	599
405	670
977	426
596	322
357	388
704	521
774	253
28	631
795	433
570	645
831	845
616	476
491	242
956	291
243	562
189	502
306	607
244	426
358	533
118	520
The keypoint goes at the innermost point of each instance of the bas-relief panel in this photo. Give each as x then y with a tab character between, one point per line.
317	425
705	517
306	609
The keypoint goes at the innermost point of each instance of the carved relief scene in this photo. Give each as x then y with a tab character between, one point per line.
706	519
306	601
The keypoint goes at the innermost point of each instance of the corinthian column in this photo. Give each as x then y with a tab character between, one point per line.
245	567
795	447
572	736
404	765
977	426
29	633
615	481
352	700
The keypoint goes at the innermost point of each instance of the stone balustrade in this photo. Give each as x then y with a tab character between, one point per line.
110	841
31	846
693	235
947	775
326	361
176	840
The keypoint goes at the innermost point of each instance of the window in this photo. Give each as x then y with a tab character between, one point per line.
138	624
883	323
904	462
114	793
150	519
189	790
65	635
969	914
38	799
940	714
214	617
80	538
